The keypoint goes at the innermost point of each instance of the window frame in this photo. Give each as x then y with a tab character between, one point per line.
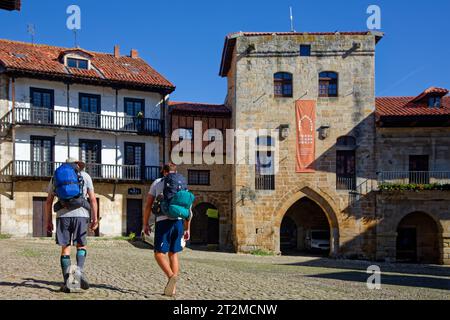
304	47
34	90
198	182
283	83
329	81
77	63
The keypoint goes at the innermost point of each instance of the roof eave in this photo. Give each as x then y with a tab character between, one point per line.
92	81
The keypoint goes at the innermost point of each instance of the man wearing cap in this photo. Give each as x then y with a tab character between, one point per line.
72	223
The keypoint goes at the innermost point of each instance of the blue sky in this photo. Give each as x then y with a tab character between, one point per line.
183	39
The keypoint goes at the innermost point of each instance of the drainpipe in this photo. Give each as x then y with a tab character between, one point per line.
13	133
68	120
117	128
163	127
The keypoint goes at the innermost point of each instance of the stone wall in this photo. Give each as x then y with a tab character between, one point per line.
392	207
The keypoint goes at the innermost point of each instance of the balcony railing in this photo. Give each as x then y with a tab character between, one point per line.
414	177
39	169
265	182
87	120
346	183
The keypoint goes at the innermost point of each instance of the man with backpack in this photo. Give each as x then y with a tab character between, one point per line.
72	186
171	203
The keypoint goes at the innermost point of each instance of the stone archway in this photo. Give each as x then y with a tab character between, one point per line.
418	239
324	202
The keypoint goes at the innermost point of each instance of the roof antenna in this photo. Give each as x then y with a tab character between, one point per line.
291	16
75	35
31	31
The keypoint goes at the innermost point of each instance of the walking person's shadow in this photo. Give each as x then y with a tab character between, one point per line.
54	286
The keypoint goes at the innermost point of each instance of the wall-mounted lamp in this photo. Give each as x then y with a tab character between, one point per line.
247	193
324	132
284	131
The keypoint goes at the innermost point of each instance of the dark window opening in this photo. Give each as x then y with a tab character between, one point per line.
345	170
328	84
42	105
77	63
434	102
419	169
265	164
90	108
283	85
198	177
305	50
134	161
346	141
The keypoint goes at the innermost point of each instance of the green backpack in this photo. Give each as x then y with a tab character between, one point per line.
179	206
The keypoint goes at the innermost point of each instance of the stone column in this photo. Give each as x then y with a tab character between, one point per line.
445	253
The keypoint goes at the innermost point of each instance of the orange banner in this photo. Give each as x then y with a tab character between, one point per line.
306	127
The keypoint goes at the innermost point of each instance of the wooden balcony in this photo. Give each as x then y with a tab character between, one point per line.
20	169
83	120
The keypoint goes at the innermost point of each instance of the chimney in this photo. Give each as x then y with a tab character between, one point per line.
117	51
134	54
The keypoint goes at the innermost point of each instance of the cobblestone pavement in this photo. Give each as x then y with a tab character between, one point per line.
29	269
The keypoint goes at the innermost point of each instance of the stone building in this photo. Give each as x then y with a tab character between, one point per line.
336	175
211	183
105	109
413	148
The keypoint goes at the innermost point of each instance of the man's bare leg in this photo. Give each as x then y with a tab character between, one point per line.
164	264
174	265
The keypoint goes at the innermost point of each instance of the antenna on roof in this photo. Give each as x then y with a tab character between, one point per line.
31	31
75	35
291	16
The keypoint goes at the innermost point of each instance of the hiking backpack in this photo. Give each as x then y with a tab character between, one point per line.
68	182
177	200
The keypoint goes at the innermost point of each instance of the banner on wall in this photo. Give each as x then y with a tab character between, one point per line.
306	127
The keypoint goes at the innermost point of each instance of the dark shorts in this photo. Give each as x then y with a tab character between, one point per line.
168	235
71	231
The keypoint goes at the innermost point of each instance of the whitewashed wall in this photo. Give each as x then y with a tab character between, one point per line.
108	100
108	97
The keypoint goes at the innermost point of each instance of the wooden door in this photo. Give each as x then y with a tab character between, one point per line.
134	216
39	220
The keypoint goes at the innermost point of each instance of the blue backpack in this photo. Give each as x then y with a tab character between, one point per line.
177	200
68	182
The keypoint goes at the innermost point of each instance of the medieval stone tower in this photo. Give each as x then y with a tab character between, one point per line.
325	168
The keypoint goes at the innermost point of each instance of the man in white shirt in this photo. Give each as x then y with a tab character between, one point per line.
169	233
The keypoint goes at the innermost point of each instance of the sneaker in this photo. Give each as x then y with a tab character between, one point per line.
84	284
170	287
74	281
64	289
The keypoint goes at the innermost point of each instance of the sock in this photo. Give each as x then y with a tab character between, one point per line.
65	265
81	258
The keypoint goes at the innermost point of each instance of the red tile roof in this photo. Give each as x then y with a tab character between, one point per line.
44	61
413	106
199	108
10	5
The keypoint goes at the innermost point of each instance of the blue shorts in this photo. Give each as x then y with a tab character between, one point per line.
168	235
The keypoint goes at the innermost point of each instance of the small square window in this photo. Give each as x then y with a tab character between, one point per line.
305	50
